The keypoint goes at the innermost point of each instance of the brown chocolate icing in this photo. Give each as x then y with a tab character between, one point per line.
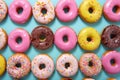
111	36
42	37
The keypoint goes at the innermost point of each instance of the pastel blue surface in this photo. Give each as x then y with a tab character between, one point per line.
54	52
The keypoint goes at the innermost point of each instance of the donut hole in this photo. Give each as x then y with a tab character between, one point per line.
42	37
65	38
89	39
42	66
90	10
116	9
19	40
112	36
44	11
19	10
112	61
66	9
67	65
90	63
18	65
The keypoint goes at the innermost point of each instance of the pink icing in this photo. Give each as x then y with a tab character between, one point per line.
72	13
45	72
19	47
108	7
24	16
71	35
111	69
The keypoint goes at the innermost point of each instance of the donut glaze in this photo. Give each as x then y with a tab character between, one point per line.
106	62
40	6
2	65
111	36
71	36
18	65
42	37
42	73
3	10
69	70
3	38
72	10
89	39
90	64
108	10
14	14
25	40
90	11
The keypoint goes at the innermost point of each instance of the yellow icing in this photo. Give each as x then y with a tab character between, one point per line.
96	13
2	65
89	33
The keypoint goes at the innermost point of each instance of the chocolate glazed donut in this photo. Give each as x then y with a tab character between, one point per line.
111	36
42	37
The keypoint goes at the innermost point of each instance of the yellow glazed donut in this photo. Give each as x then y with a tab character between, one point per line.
90	11
89	39
2	65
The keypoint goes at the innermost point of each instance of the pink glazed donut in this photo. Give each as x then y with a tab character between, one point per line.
66	10
14	39
65	38
108	10
111	62
22	17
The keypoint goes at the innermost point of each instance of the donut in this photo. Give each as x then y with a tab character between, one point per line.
66	10
18	65
88	79
111	62
111	10
20	11
111	36
65	38
67	65
3	38
3	10
89	39
2	65
42	37
90	64
90	11
42	66
43	11
111	79
19	40
66	79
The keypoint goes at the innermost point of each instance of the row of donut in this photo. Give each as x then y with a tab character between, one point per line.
66	11
64	38
42	66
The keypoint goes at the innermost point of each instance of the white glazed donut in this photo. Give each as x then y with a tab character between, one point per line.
43	5
3	10
3	38
67	65
42	66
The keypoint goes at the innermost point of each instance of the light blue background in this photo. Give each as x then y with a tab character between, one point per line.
54	52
